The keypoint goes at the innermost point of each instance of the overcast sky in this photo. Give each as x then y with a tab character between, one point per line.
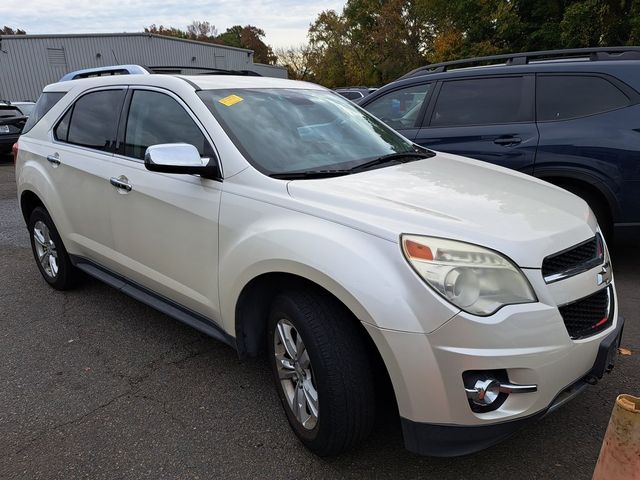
284	21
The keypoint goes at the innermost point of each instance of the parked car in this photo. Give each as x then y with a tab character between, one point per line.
25	107
278	217
355	94
569	117
12	119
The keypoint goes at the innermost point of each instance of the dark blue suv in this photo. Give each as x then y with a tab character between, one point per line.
570	117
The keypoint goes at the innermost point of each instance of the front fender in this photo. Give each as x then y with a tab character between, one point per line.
367	273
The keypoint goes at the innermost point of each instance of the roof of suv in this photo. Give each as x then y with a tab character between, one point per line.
623	64
202	82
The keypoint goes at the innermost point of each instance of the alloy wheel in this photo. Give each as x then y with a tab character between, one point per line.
45	249
295	374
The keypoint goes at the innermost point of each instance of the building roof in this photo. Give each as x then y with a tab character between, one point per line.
122	34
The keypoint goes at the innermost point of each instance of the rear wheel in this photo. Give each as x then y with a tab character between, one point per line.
321	370
49	252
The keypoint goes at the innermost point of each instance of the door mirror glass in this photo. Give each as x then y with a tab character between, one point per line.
180	158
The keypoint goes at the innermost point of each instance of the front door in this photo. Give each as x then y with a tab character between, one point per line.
489	119
165	226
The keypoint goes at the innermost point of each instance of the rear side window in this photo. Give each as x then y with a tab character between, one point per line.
155	118
400	108
93	120
482	101
560	97
45	103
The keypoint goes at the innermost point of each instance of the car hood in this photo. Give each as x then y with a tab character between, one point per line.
458	198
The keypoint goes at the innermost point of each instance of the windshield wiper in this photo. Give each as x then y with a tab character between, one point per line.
311	174
394	158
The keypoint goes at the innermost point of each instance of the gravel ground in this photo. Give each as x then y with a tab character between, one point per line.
96	385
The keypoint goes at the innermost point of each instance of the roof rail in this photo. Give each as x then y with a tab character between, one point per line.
104	71
592	54
208	70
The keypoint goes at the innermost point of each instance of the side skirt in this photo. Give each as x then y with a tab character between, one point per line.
154	300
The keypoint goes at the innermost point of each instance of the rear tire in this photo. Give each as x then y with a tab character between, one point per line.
51	257
332	377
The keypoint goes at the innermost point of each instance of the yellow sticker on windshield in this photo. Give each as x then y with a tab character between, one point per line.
230	100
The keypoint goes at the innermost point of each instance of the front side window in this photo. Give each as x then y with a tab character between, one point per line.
400	108
482	101
156	118
92	121
294	130
560	97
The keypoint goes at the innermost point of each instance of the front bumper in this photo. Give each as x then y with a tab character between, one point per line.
454	440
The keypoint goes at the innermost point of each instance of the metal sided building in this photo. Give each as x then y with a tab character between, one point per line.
29	62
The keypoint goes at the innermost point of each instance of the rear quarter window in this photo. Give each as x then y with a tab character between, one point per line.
563	97
45	103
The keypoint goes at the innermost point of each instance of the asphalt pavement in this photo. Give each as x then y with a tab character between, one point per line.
96	385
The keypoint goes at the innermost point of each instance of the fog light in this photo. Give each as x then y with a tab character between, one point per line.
484	392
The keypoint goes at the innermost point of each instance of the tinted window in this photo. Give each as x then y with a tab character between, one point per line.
94	120
482	101
560	97
400	108
45	103
155	118
62	130
351	95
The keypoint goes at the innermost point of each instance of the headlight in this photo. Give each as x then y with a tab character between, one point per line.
475	279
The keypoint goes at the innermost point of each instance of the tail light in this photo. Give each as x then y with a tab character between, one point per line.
14	150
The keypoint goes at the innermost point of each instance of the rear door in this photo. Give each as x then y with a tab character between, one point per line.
79	162
402	108
486	118
165	225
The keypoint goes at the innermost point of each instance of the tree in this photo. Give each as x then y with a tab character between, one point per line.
202	31
296	59
10	31
249	37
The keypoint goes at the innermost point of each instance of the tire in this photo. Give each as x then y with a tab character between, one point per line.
599	208
337	368
51	257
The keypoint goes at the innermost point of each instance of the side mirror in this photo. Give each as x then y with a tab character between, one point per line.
180	158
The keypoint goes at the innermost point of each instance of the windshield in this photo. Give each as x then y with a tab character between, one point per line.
293	130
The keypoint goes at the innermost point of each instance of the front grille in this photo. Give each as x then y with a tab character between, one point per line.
588	315
578	258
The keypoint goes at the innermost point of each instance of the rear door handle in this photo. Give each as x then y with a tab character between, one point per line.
54	159
121	183
507	141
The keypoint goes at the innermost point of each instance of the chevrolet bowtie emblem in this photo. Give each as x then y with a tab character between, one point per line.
604	276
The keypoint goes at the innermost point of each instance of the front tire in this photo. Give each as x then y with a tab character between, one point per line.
48	250
321	370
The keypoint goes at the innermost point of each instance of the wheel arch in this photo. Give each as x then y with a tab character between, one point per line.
29	201
252	310
594	185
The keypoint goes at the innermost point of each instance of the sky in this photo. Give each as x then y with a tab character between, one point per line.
285	22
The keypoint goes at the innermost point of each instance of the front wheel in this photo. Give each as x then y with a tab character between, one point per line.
322	372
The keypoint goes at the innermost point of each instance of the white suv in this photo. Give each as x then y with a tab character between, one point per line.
279	217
